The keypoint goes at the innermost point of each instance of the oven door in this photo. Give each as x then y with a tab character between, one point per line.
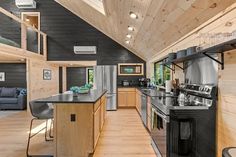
159	132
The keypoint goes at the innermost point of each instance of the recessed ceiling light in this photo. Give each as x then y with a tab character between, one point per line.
130	28
133	15
127	41
128	36
27	19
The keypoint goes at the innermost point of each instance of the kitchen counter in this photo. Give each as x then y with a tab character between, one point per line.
91	97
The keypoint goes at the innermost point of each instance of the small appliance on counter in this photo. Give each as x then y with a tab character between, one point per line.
125	83
144	82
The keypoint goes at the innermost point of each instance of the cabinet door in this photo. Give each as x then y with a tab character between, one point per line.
103	114
122	99
97	119
138	101
131	99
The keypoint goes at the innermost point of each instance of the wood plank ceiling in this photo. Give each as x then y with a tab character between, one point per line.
159	23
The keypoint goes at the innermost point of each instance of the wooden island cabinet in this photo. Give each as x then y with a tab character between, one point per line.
78	122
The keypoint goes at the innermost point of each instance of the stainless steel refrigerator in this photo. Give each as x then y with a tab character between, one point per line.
105	77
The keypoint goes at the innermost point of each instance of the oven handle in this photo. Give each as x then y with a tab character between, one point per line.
164	117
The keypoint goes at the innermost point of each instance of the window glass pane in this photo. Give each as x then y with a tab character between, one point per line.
158	73
161	74
167	73
90	76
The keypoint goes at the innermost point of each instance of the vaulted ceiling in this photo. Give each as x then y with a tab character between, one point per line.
159	22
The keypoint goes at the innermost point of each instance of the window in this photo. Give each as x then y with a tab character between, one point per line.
161	73
89	76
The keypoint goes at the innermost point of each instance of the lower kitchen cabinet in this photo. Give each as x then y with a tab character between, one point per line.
103	112
97	127
99	118
126	97
149	112
138	101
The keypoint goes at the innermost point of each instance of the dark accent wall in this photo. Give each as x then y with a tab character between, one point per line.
75	76
15	75
65	30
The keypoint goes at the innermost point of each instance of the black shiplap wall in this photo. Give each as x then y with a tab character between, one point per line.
15	75
64	30
75	76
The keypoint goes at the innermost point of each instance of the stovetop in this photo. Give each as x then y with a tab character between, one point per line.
166	104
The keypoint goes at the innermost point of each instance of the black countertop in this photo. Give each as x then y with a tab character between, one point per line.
91	97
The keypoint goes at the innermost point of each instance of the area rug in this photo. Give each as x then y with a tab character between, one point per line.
4	114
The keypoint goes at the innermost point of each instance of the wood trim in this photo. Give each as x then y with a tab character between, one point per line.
19	20
24	25
140	64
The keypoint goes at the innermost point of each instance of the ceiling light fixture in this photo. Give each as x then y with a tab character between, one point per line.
128	36
27	19
130	28
127	41
133	15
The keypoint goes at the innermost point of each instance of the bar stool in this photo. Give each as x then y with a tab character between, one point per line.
40	111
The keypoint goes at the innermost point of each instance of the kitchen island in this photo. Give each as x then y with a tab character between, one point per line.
78	121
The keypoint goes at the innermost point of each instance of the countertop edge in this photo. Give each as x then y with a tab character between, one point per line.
70	102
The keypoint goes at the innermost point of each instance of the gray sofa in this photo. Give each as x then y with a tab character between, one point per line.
12	98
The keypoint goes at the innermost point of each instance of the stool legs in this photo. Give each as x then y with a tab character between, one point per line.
46	130
32	135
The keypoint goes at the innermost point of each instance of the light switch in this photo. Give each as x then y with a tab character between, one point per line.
73	117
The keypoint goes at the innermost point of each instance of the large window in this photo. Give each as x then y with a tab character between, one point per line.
161	74
90	76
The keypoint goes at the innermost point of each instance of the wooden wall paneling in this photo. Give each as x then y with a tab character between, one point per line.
226	115
64	79
39	88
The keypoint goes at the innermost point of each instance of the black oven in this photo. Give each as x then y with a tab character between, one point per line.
159	132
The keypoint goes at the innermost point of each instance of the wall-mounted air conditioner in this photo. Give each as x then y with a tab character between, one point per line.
85	49
26	4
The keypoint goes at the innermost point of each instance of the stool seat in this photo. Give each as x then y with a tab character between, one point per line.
45	114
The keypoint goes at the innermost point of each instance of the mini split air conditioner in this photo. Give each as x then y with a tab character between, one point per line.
85	49
26	4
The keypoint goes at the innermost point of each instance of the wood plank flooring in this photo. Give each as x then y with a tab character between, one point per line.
123	135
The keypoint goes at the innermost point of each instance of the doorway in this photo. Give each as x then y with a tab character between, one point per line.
33	42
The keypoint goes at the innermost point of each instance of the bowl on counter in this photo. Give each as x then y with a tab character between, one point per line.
192	50
181	54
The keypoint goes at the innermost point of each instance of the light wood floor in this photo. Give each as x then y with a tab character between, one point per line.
123	135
